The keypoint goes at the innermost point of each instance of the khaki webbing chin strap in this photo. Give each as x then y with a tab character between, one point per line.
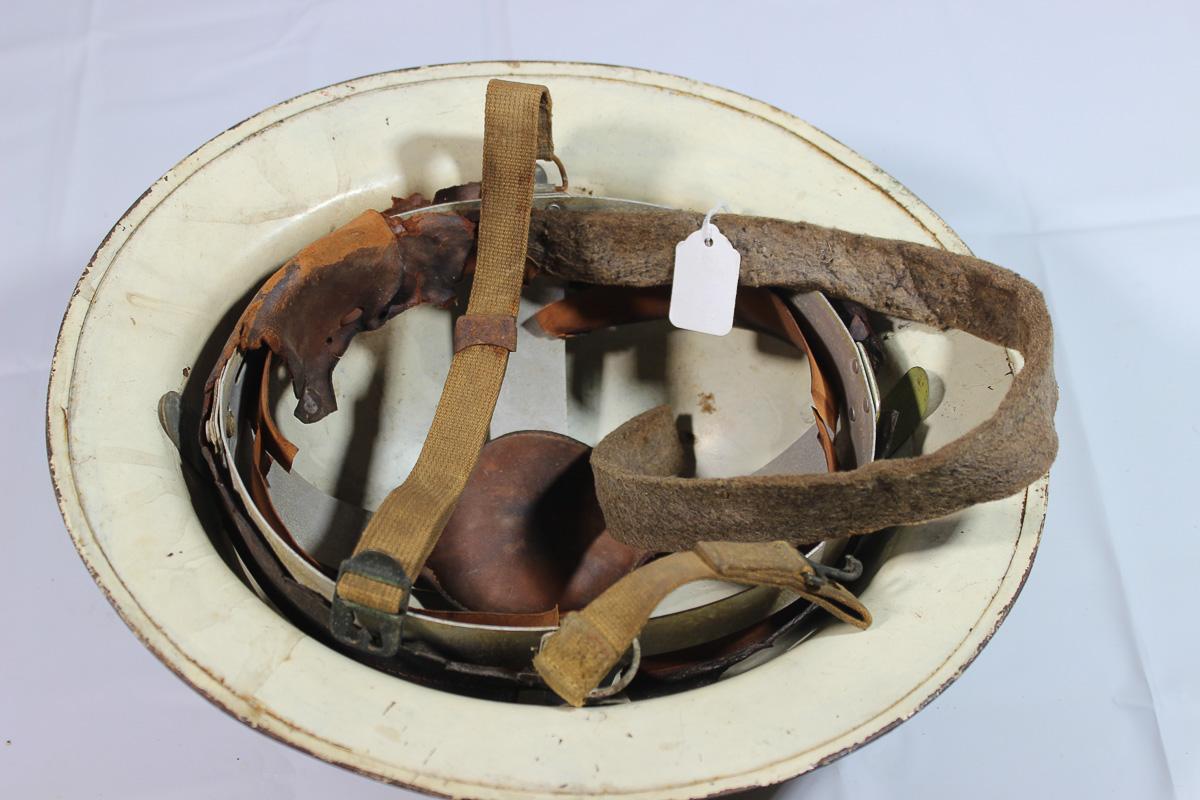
373	585
589	643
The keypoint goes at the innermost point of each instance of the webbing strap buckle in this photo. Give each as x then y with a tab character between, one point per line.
362	627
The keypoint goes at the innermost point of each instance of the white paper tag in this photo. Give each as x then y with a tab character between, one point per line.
704	287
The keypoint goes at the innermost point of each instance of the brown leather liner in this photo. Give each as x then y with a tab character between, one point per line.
527	534
354	279
597	307
269	435
263	446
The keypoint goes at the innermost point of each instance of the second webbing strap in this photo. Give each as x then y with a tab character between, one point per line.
589	643
408	523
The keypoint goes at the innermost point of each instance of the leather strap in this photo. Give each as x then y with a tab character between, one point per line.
646	502
408	523
589	643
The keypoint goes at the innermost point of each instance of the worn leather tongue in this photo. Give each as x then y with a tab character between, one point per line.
528	534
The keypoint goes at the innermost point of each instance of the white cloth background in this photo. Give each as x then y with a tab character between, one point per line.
1060	139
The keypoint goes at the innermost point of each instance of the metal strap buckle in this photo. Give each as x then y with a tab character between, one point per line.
362	627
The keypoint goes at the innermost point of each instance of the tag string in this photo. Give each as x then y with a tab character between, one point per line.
706	227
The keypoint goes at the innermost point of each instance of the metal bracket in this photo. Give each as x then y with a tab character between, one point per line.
364	628
622	678
852	570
